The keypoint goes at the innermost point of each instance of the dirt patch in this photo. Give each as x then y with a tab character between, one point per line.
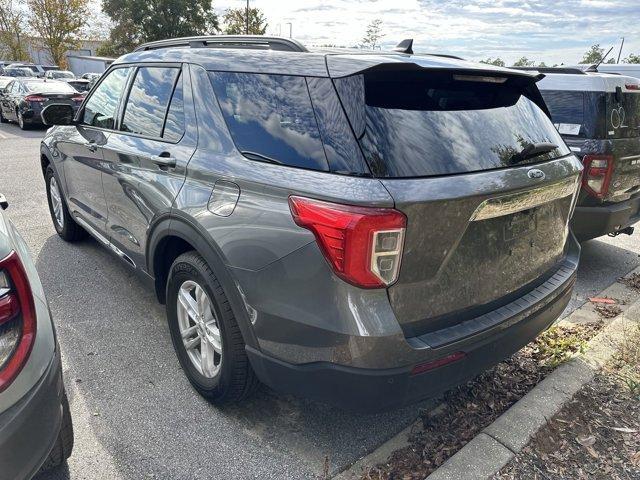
607	311
595	436
632	281
466	410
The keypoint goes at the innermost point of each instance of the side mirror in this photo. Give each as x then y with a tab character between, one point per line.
3	202
58	114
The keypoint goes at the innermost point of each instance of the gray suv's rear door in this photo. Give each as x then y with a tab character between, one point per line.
146	157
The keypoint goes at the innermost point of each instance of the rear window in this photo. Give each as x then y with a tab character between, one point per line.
270	118
49	87
623	110
412	124
567	110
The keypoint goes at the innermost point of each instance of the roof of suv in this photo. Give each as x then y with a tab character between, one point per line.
267	55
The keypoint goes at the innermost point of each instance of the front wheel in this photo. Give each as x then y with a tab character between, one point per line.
205	334
63	222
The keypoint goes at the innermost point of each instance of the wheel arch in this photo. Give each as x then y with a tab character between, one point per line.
175	235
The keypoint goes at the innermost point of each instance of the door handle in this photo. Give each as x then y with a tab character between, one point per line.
164	160
91	146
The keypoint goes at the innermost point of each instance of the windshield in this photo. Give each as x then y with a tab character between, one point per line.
49	87
412	124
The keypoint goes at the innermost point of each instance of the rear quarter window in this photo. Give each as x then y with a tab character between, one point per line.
270	118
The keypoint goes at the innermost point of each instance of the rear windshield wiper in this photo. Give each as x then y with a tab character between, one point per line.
532	150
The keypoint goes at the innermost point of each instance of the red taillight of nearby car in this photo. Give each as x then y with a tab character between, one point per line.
362	244
597	174
632	86
17	319
35	98
78	99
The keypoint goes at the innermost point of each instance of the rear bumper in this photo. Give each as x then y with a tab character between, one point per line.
365	389
592	222
29	429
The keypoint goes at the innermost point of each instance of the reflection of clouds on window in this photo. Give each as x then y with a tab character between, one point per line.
101	106
422	127
148	100
271	115
174	127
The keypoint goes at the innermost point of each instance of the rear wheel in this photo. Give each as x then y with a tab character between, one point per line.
64	443
21	123
63	222
205	333
2	117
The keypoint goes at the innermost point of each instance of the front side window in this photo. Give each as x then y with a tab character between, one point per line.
148	100
270	118
101	108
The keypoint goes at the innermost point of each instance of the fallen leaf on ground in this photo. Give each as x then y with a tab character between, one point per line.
586	441
610	301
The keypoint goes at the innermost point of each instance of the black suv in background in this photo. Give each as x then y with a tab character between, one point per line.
362	228
598	115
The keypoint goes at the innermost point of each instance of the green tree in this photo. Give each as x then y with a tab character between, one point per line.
372	35
58	23
139	21
542	64
632	58
12	30
594	55
498	62
235	21
524	62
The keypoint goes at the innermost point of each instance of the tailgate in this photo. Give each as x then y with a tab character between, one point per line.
475	240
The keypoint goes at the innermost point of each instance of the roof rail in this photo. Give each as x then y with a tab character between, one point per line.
569	70
251	42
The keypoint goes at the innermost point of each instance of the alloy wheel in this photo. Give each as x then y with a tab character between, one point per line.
56	202
199	329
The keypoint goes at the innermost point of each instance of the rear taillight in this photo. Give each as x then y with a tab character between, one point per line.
632	86
597	174
79	99
363	245
17	319
35	98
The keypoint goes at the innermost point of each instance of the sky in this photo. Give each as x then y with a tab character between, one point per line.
542	30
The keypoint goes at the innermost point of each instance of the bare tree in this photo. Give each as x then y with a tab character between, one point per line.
58	23
373	34
12	30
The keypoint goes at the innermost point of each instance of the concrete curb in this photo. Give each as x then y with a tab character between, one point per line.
498	443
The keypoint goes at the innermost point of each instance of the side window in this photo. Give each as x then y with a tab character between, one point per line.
174	126
148	100
101	108
270	118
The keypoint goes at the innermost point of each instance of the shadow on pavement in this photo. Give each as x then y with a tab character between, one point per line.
119	358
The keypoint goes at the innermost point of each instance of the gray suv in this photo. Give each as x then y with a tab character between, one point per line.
363	229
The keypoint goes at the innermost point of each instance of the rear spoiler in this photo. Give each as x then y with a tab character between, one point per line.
341	66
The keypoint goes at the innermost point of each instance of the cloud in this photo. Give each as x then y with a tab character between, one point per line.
544	30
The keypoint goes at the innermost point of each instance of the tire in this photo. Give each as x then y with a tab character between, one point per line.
21	123
2	117
233	379
63	447
67	228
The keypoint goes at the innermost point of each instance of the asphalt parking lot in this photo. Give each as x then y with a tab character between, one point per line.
135	415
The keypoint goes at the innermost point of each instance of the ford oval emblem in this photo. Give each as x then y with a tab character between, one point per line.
536	174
